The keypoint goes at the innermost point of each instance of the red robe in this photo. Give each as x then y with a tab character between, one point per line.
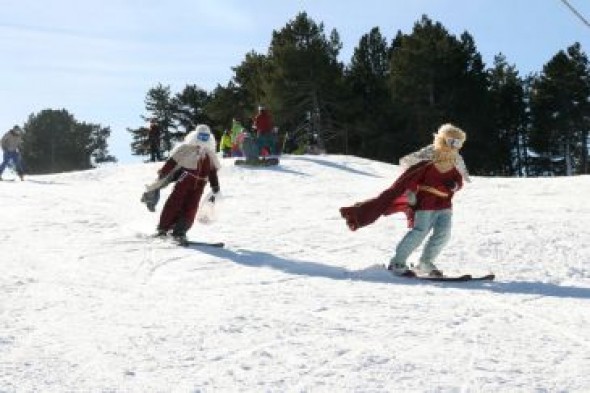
182	204
392	200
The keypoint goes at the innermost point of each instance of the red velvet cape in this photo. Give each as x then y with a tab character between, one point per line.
392	200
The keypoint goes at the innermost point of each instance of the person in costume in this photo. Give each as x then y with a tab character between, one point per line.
191	165
424	192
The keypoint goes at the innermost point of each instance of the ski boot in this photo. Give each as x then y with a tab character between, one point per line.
400	269
429	269
161	233
180	238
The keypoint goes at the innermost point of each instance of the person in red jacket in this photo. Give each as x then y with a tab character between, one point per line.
424	192
193	163
430	195
263	125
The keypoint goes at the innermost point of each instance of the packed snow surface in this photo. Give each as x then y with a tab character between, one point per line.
295	302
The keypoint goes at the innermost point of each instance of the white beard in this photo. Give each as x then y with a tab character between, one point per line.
188	156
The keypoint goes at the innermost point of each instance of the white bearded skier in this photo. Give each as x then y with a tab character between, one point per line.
192	164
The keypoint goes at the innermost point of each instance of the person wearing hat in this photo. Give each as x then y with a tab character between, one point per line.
11	144
192	164
424	191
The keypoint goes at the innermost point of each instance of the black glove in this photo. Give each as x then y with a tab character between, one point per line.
214	196
450	184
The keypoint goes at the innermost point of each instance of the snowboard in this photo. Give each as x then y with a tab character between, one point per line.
459	278
444	278
258	162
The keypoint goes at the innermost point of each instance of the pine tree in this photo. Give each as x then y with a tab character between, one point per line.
436	78
56	142
559	110
188	109
369	110
307	79
159	106
510	118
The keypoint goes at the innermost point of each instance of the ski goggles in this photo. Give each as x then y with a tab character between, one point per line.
203	136
455	143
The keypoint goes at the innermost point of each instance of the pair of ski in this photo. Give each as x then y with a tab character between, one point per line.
194	243
191	243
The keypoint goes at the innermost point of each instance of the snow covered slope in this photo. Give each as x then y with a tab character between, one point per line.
88	303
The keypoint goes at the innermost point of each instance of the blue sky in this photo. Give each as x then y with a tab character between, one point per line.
98	58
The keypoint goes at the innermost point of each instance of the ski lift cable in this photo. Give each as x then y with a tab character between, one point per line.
572	9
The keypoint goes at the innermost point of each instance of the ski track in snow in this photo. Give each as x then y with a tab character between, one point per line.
294	302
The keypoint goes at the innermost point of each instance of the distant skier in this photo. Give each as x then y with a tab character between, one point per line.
225	145
424	192
236	130
191	165
154	131
11	144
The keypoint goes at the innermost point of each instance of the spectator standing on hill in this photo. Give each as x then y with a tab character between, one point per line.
11	144
154	135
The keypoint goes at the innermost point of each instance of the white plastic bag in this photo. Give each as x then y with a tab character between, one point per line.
208	209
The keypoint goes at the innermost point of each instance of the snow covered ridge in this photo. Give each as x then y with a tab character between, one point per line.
292	303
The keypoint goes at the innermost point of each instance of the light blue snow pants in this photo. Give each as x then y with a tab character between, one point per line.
437	221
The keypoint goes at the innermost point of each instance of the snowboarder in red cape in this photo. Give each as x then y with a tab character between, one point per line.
191	164
424	192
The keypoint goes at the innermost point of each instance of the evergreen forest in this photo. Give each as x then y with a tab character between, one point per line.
384	103
393	94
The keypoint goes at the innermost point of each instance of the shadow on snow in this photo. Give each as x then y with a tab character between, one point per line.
333	165
273	168
373	274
